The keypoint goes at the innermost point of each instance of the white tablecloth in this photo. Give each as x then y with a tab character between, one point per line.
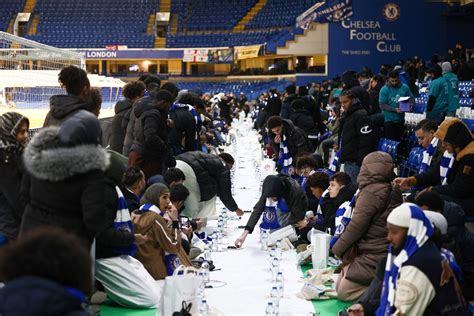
245	271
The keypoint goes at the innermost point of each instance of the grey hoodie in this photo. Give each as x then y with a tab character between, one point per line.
61	107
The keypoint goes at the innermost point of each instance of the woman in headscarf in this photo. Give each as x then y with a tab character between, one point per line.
13	137
157	219
65	182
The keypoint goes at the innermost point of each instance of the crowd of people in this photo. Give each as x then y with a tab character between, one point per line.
134	192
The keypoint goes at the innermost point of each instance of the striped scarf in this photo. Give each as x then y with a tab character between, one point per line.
285	160
445	166
270	216
428	155
335	161
449	257
419	232
343	218
123	223
319	212
304	179
171	260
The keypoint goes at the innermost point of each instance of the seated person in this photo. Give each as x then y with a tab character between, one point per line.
157	219
133	183
457	231
172	176
39	287
362	244
418	279
425	133
453	177
340	190
282	203
306	165
115	267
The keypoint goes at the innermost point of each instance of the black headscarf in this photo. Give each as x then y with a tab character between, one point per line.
10	123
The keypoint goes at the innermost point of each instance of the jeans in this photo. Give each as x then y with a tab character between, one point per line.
352	169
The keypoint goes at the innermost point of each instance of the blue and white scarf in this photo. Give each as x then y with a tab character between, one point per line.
445	166
304	179
285	161
335	161
123	223
343	218
171	260
449	257
419	232
319	212
428	155
270	215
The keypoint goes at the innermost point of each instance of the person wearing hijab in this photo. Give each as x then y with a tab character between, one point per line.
13	137
157	219
282	203
64	184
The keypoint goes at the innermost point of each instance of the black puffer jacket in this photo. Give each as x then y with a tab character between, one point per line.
286	109
31	296
212	176
296	138
61	107
118	131
64	185
129	131
287	188
356	135
184	127
304	120
150	132
273	107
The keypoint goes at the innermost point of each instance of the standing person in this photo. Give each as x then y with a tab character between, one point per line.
453	88
333	124
375	85
150	150
77	85
355	135
438	96
13	138
273	103
132	92
64	184
207	177
291	95
302	118
288	141
389	97
282	203
350	82
362	244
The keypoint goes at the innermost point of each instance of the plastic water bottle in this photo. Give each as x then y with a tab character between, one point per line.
203	308
214	244
275	268
280	284
269	310
275	300
202	286
264	240
207	253
205	270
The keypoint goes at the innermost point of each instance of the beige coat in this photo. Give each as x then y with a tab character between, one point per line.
364	242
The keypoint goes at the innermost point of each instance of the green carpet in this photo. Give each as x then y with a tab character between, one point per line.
120	311
327	307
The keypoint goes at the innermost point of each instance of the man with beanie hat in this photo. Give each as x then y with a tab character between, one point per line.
453	177
438	96
282	203
419	279
453	91
150	151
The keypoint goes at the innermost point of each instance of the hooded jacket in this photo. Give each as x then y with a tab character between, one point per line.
182	136
349	79
64	185
461	178
364	242
11	171
356	135
31	296
130	121
286	109
296	138
212	176
304	120
61	107
285	187
119	129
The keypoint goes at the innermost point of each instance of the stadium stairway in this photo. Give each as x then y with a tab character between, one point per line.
250	15
29	6
151	23
34	25
165	6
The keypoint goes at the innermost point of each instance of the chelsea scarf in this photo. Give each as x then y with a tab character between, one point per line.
445	166
419	232
123	223
285	160
428	155
343	218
